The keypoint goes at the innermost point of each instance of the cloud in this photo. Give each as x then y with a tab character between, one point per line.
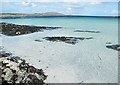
114	12
42	0
33	5
69	8
95	2
90	1
78	7
62	0
70	0
25	3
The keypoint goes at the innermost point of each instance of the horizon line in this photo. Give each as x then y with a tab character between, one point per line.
64	14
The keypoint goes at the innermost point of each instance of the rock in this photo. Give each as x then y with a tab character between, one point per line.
5	54
16	71
14	29
87	31
38	40
69	40
114	47
108	43
33	80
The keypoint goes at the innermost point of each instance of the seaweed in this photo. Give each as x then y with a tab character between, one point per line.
87	31
69	40
114	47
14	29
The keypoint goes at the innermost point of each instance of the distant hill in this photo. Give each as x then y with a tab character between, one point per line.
23	15
30	15
50	14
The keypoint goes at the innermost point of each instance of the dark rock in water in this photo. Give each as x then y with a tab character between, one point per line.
108	43
87	31
13	29
5	54
69	40
15	71
114	47
38	40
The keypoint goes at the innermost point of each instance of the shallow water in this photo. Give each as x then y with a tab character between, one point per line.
88	60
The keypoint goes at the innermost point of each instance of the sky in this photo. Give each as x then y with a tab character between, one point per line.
70	7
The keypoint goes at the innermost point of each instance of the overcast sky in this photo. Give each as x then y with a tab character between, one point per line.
72	7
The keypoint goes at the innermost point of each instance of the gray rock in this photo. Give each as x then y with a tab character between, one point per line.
114	47
16	71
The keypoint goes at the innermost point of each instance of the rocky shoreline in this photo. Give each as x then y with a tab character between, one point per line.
114	47
14	29
15	71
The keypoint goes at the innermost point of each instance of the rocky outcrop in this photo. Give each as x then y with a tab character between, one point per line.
87	31
114	47
69	40
15	71
14	30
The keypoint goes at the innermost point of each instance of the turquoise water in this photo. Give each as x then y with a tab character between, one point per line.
65	21
107	26
79	62
86	23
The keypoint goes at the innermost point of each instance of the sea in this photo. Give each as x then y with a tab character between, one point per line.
88	61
